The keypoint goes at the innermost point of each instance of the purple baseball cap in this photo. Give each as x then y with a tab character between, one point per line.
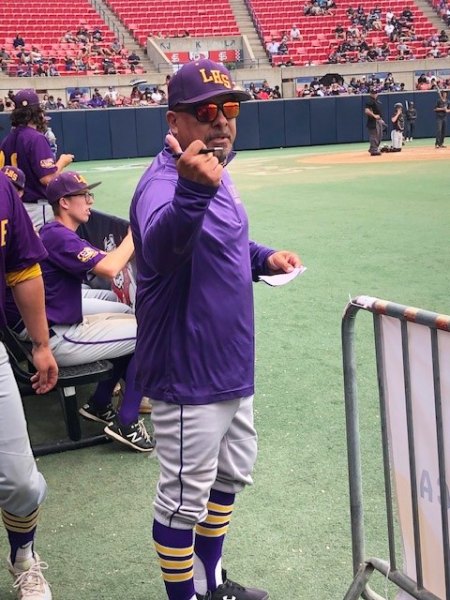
201	80
17	176
66	184
26	97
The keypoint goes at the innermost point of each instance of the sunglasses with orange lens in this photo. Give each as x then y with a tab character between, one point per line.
207	113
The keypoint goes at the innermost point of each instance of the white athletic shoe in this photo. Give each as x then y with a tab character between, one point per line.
29	581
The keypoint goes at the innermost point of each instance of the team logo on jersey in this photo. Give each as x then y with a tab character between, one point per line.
47	163
87	254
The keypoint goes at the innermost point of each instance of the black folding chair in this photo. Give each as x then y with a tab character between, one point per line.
68	379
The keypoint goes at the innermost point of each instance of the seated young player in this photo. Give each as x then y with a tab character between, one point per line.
77	337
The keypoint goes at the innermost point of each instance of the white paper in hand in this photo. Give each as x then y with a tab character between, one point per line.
284	278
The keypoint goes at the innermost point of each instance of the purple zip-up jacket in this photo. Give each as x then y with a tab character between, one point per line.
194	304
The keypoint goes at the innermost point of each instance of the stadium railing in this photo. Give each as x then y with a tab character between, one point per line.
412	353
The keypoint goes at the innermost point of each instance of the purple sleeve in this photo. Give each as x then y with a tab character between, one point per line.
258	258
41	157
23	248
170	225
71	253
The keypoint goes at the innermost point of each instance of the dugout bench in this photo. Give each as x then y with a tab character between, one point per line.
69	378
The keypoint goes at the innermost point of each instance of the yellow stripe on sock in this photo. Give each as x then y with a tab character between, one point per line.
20	524
176	564
217	519
209	532
220	508
177	577
168	551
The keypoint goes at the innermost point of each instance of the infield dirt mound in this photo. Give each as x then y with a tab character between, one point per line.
408	154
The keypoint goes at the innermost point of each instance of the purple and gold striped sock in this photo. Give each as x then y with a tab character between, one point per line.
209	538
21	530
175	550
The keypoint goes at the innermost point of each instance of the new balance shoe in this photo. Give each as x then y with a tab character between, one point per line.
230	589
29	581
134	435
104	415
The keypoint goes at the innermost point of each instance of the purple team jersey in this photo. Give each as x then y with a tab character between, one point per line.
70	259
28	149
20	247
194	307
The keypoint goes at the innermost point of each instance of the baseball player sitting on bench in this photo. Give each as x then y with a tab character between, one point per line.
80	336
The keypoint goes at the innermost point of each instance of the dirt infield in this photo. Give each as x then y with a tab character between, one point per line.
408	154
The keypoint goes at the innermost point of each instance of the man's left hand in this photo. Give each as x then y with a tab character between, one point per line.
283	261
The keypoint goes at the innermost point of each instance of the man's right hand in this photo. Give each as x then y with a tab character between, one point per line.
47	370
66	159
201	168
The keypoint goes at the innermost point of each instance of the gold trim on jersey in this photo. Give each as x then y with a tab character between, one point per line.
16	277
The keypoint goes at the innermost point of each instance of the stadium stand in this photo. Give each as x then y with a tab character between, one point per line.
152	17
43	26
318	40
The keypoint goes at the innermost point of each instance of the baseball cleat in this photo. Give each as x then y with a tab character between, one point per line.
104	415
29	581
134	435
230	589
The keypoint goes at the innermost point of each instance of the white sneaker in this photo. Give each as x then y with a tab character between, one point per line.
29	581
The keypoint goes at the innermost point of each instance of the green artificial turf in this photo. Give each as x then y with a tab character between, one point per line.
379	229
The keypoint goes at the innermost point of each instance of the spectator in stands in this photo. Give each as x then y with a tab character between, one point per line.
133	59
97	100
407	14
276	93
3	65
111	96
272	48
283	48
69	63
75	97
156	96
339	32
4	54
389	29
69	37
295	33
82	34
135	95
50	103
108	66
96	35
18	41
60	104
2	105
115	47
40	71
443	37
35	55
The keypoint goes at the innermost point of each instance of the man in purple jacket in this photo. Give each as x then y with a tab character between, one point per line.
195	345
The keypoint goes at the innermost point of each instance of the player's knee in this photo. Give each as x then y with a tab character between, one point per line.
23	493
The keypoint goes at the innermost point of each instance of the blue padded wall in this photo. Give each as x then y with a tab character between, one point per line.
297	122
323	121
271	124
123	132
98	134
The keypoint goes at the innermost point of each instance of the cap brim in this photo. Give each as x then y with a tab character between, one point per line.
92	185
239	95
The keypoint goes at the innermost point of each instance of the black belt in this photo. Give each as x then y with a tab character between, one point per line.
20	326
51	332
